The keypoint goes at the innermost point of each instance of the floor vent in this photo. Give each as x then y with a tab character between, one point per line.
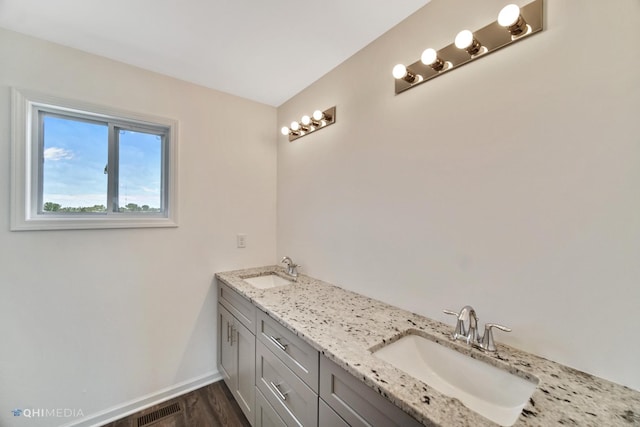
159	414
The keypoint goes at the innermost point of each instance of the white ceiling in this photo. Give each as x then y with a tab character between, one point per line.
264	50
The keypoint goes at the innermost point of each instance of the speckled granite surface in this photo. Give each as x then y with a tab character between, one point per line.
345	326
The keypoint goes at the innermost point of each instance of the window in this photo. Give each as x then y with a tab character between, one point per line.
80	166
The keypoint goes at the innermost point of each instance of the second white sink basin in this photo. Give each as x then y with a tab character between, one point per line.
492	392
266	282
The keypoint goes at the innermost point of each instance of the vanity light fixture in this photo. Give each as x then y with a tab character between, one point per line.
309	124
513	24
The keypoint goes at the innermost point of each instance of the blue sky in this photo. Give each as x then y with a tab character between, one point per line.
76	153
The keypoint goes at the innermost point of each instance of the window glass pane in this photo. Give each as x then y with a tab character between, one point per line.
73	173
140	171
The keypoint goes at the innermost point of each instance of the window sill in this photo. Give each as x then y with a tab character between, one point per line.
88	223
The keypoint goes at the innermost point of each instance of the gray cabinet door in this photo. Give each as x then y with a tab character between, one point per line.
245	347
226	357
236	360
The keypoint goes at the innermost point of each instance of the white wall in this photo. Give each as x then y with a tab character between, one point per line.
510	184
91	320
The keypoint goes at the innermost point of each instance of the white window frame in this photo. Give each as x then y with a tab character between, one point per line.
25	166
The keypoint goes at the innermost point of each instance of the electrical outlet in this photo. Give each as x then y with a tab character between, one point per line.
241	240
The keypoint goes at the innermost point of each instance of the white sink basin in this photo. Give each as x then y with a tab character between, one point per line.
266	282
492	392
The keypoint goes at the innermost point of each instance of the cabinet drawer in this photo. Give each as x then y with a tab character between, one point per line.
299	356
355	402
291	398
241	308
266	416
327	417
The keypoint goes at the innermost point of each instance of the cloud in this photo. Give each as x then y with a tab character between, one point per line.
57	153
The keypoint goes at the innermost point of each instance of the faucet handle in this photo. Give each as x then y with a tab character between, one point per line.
487	339
460	330
495	325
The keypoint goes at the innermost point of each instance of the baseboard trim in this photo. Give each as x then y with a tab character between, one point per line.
131	407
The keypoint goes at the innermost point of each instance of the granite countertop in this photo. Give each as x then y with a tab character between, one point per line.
345	326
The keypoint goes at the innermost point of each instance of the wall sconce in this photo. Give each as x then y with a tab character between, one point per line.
309	124
513	24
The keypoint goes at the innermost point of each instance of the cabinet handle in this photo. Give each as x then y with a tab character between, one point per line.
277	342
276	388
228	331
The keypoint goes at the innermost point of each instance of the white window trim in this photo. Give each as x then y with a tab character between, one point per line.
22	185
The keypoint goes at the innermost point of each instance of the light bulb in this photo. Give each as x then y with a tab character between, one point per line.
464	39
318	115
306	120
429	56
295	126
399	71
510	18
402	72
509	15
284	130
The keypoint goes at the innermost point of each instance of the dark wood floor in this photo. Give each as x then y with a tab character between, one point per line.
210	406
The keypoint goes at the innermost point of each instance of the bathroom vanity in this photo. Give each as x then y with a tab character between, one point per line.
304	353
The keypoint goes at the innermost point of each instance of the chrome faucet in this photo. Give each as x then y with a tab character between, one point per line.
467	329
292	268
466	325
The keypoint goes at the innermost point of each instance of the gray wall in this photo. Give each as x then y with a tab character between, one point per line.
103	320
510	184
